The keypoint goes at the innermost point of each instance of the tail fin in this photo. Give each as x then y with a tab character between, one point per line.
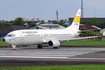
76	22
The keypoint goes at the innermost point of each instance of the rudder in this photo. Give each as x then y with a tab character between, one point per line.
76	22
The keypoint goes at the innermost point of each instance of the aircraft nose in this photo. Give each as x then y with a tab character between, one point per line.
4	40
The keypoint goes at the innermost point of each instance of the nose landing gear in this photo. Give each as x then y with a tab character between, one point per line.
13	47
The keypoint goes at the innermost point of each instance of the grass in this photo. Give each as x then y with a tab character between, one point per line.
3	43
68	67
101	43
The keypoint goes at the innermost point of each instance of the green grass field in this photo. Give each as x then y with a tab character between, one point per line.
101	43
68	67
3	43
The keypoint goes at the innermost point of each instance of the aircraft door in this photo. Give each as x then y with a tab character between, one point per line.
21	37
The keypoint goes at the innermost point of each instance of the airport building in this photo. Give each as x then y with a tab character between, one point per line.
48	26
90	27
34	20
8	29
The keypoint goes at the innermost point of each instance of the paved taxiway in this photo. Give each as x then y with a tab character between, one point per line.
50	54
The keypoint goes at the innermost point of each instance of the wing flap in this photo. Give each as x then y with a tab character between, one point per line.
80	38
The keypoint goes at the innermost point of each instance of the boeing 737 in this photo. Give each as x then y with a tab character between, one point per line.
53	38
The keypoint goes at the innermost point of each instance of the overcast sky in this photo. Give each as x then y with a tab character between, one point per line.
46	9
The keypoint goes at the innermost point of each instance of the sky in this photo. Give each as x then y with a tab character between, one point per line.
46	9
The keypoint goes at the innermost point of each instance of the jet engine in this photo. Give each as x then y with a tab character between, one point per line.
53	43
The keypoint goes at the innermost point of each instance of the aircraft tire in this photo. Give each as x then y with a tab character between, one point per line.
13	48
55	47
40	46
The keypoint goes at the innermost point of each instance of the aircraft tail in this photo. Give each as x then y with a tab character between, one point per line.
76	22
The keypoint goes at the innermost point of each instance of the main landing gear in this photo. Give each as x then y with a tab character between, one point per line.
40	46
55	47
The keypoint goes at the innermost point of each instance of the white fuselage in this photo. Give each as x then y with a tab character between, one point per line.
29	37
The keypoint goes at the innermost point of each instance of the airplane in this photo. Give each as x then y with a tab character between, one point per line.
53	38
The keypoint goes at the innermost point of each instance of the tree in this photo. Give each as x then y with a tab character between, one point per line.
102	24
88	33
61	22
19	21
32	24
42	22
55	22
12	22
3	25
94	21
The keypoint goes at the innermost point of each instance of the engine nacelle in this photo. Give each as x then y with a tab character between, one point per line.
53	43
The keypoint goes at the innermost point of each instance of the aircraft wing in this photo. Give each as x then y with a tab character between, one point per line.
80	38
71	39
81	31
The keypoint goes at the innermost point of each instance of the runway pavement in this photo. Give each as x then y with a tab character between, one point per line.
48	54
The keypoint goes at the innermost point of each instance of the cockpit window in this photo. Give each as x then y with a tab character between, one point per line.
11	35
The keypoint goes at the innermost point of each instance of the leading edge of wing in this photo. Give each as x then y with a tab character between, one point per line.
80	38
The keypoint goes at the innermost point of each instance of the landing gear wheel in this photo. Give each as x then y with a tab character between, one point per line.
40	46
55	47
14	48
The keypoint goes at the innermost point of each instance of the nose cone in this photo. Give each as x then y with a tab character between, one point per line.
4	40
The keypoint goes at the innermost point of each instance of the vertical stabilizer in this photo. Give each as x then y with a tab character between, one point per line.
76	22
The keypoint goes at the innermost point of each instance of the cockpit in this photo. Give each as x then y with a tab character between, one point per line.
11	35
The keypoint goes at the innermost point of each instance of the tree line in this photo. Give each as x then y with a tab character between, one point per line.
96	22
19	21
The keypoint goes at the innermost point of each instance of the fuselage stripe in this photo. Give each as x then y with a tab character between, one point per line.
77	19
